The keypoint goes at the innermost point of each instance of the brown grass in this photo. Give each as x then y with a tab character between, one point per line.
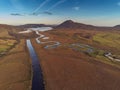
65	69
15	69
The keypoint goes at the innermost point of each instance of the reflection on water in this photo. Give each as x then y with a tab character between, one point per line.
37	82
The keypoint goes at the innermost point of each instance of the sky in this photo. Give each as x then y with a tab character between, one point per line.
94	12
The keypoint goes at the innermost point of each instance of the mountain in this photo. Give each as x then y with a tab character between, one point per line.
69	24
74	25
9	29
117	26
5	26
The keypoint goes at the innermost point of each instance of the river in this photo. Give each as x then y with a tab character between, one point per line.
37	79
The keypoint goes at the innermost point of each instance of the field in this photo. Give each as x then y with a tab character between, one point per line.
15	65
15	69
6	44
4	33
79	62
109	39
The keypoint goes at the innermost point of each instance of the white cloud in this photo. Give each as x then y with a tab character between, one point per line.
41	5
56	4
118	3
76	8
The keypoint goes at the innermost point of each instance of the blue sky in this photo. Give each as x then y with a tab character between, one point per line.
95	12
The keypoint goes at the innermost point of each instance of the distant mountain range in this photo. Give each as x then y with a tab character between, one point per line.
34	25
5	26
69	24
117	26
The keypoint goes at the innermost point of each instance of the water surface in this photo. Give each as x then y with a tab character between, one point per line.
37	82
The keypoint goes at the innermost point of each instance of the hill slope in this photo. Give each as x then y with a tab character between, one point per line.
69	24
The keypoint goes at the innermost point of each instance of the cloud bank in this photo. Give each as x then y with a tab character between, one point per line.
76	8
16	14
56	4
41	5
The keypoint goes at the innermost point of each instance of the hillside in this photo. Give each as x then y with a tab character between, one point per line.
80	59
69	24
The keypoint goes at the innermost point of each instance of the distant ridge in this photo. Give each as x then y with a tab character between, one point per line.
69	24
34	25
117	26
6	26
74	25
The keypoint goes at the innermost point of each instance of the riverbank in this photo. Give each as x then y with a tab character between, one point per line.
15	69
41	36
7	44
37	76
112	57
66	69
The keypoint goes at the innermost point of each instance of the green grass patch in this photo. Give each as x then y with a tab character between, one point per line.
5	44
109	39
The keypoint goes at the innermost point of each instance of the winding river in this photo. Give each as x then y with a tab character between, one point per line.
109	56
41	36
37	79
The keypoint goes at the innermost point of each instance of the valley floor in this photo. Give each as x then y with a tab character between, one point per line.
78	62
67	69
15	69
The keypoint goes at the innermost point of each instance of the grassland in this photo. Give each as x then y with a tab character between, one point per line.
69	68
82	67
4	32
15	69
6	44
108	39
99	42
15	65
